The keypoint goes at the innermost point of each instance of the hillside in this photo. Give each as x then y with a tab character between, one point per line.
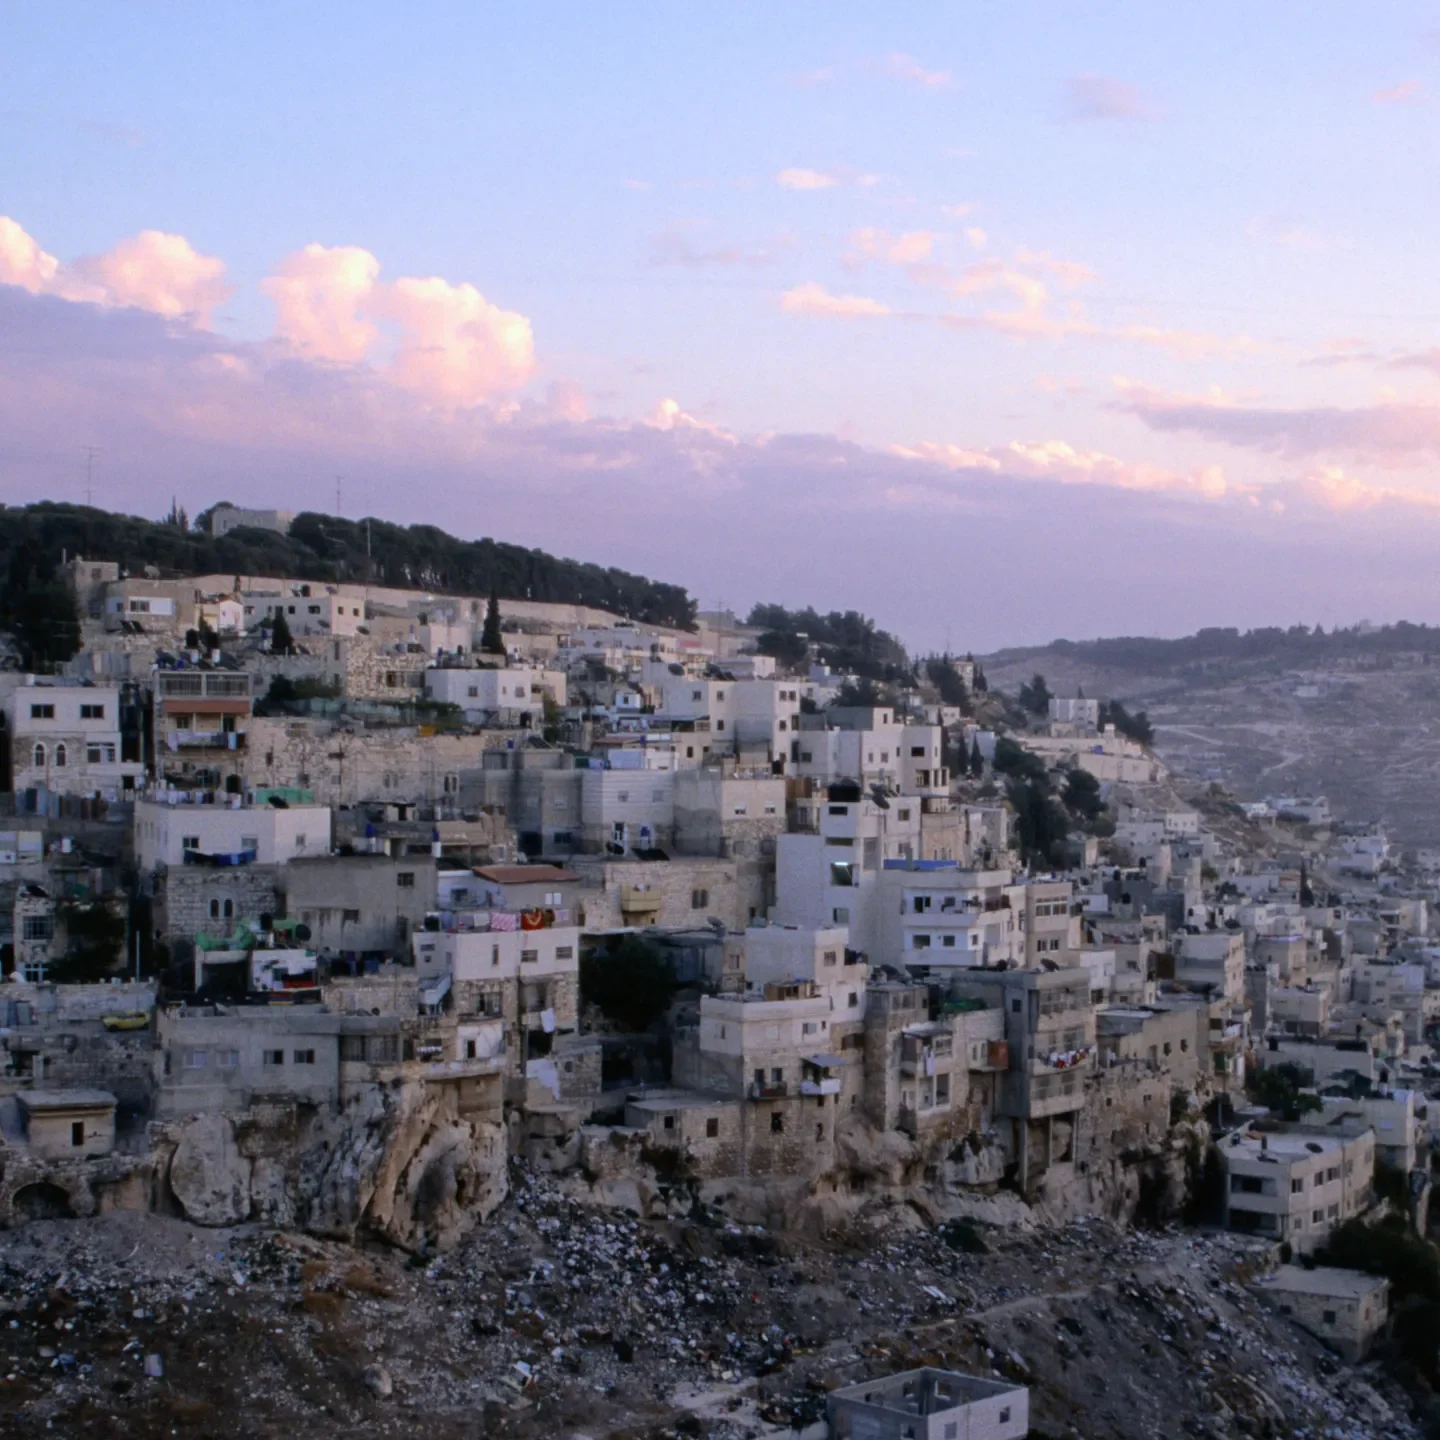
328	548
1352	714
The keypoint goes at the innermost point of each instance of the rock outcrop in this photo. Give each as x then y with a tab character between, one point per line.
398	1162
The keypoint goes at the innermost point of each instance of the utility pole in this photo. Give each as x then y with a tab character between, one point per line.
338	479
91	451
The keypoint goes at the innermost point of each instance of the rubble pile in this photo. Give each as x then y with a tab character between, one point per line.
556	1319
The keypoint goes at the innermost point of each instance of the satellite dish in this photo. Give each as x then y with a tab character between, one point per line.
302	931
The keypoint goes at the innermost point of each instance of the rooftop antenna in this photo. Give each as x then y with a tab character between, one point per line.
91	451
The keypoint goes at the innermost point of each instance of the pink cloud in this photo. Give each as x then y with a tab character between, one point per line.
801	179
151	271
170	402
455	345
815	299
1396	94
908	70
321	294
1388	434
161	273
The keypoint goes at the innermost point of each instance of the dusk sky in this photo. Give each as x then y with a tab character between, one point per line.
1000	323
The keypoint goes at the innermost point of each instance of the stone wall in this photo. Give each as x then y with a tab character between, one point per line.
344	765
187	895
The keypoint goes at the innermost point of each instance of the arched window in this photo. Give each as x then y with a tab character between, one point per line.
214	909
39	757
60	755
229	909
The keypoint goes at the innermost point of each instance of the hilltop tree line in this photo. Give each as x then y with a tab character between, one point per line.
1295	645
323	548
846	641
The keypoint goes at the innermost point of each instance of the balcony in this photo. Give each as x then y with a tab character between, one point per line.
634	901
767	1090
206	739
820	1075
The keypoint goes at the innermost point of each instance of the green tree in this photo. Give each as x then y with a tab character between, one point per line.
948	681
1034	696
281	640
632	984
1016	760
1082	795
1280	1088
1040	822
95	942
977	760
1134	727
789	649
492	642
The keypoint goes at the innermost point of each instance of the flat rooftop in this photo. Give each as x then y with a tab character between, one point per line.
1323	1280
34	1100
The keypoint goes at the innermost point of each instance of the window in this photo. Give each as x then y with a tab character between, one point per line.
405	880
669	1122
77	1132
712	1129
350	917
1329	1317
92	712
840	873
777	1075
494	955
60	755
190	842
777	1123
1004	1414
249	842
214	909
42	712
37	927
315	610
829	957
274	1057
228	909
92	754
194	1060
699	899
227	1059
564	952
529	957
303	1057
623	797
917	752
39	756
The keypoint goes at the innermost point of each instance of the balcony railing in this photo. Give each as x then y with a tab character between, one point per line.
768	1090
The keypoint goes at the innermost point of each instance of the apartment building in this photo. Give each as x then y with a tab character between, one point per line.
173	829
1296	1184
67	738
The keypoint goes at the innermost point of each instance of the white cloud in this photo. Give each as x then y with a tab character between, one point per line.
813	299
908	69
805	180
976	238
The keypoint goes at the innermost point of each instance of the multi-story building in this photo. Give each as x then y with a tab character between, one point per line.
187	832
1296	1185
201	722
68	739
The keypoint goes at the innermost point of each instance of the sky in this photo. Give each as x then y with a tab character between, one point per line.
999	323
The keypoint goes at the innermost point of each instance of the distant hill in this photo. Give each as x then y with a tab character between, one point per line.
1223	650
1353	714
328	548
